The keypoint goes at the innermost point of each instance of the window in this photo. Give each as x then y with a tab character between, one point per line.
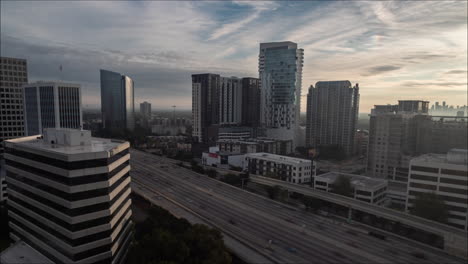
425	169
423	177
454	172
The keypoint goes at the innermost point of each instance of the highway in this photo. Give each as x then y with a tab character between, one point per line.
281	233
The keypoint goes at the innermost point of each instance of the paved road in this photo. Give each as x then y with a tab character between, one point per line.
282	233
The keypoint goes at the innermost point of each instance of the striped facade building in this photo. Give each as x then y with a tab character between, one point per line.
69	195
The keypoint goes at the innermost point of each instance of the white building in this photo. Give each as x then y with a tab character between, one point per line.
285	168
51	105
215	158
366	189
280	71
69	195
254	145
446	176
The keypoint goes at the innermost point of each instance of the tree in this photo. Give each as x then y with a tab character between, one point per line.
311	203
274	192
430	206
342	186
232	179
164	239
211	173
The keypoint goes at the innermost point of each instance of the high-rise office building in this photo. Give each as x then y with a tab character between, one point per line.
332	113
117	101
445	175
13	74
145	110
280	71
51	105
205	106
250	102
393	138
69	195
230	101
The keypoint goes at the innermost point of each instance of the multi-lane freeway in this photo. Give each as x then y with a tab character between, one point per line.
280	233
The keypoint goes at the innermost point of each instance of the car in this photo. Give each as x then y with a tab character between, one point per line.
377	235
292	249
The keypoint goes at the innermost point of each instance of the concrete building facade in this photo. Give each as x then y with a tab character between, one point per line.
280	70
284	168
332	113
230	101
117	101
69	195
254	145
145	110
251	102
445	175
366	189
51	105
205	106
13	74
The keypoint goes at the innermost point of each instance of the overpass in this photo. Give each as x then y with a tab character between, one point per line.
454	239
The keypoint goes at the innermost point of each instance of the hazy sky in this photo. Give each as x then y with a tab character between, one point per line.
394	50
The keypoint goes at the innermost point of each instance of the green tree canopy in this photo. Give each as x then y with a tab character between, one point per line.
342	186
164	239
430	206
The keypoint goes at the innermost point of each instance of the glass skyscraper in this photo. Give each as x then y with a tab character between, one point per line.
117	101
280	70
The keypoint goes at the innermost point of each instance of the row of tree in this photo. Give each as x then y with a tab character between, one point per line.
165	239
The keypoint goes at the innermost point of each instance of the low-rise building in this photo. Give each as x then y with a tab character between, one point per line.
215	158
366	189
69	195
285	168
445	175
255	145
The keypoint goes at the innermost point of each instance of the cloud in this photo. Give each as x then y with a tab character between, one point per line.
457	72
381	45
381	69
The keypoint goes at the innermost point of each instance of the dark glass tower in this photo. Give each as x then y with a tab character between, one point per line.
117	101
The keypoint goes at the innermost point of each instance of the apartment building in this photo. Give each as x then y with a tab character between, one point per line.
284	168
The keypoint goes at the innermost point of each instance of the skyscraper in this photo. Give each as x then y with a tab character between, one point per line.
13	74
70	195
280	71
250	102
393	138
145	110
51	105
205	106
332	112
230	101
117	101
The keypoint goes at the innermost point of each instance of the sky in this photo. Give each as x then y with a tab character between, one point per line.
394	49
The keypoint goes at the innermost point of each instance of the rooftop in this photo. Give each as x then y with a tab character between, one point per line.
274	157
356	180
454	156
66	141
20	252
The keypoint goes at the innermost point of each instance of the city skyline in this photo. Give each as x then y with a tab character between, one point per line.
353	41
